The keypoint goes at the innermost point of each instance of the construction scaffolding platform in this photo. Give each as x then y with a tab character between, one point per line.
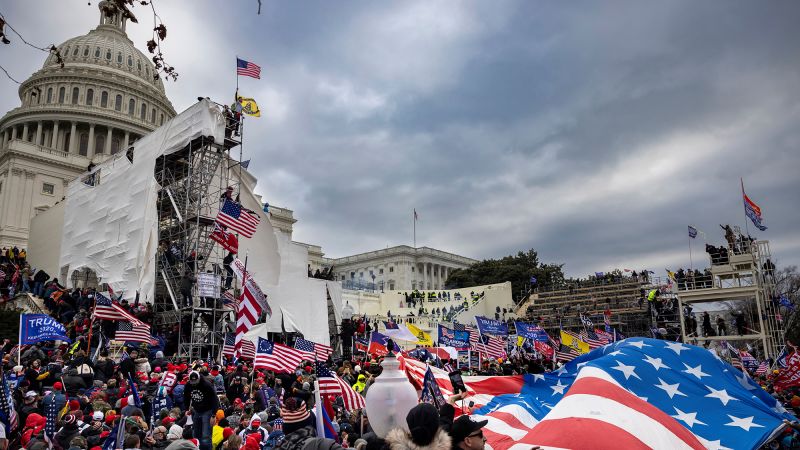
193	182
737	293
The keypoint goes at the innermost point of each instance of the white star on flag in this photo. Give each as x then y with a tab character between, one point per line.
655	362
676	347
721	395
670	389
696	371
558	388
627	370
638	344
744	423
689	418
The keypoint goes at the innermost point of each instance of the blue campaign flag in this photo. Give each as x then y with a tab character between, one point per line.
786	303
781	360
453	338
719	404
533	280
430	390
599	274
491	326
692	232
160	401
41	327
134	392
530	331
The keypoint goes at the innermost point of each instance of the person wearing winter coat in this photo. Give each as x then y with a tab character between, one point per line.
424	431
255	428
67	432
34	425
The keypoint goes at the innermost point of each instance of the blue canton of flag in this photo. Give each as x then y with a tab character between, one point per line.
723	407
781	359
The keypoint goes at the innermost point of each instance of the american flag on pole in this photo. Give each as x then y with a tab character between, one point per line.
314	350
238	219
762	368
230	301
227	240
592	339
7	413
490	346
107	309
251	304
247	69
248	349
276	357
136	331
330	384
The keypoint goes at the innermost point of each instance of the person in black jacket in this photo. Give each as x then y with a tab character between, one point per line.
128	365
202	401
67	432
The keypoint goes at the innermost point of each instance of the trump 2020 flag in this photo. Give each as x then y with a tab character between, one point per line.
40	327
752	211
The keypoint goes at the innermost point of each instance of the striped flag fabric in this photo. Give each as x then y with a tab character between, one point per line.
762	368
598	405
105	308
316	351
238	219
133	331
7	413
592	339
247	69
565	353
736	361
276	357
252	302
248	349
230	301
330	384
604	335
491	346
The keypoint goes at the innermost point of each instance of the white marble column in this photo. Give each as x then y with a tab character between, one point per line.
107	151
26	199
54	137
424	275
90	149
14	203
5	138
125	142
13	132
73	134
25	131
38	133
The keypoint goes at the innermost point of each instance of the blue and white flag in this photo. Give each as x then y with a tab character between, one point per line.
491	326
41	327
692	232
781	360
532	332
453	338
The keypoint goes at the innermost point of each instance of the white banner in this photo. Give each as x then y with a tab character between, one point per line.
208	285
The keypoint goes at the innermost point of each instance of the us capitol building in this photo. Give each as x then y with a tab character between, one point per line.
104	98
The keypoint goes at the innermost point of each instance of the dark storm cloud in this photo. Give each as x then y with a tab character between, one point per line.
593	132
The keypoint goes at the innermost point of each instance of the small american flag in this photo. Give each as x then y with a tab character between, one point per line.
762	368
247	69
230	301
106	309
133	331
592	339
248	348
277	357
7	413
330	384
314	350
565	353
237	219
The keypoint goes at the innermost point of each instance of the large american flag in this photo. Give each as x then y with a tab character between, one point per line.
238	219
248	349
133	331
105	308
7	413
313	350
330	384
247	69
276	357
251	304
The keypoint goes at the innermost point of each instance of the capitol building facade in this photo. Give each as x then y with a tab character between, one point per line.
104	99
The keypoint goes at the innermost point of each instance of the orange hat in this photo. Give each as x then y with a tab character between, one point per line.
220	415
795	402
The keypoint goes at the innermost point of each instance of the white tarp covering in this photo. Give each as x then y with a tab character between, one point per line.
335	293
111	227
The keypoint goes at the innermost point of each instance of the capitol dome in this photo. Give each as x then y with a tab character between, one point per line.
104	98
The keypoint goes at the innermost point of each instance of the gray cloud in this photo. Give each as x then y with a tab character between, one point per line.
592	132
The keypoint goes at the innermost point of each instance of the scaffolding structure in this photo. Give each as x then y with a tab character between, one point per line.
193	182
739	285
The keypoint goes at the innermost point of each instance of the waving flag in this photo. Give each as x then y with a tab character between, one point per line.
105	308
238	219
276	357
752	211
228	348
721	406
247	69
762	368
330	384
41	327
8	416
133	332
228	241
430	390
378	343
361	344
692	232
313	350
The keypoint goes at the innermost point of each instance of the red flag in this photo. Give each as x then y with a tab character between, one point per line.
790	376
227	240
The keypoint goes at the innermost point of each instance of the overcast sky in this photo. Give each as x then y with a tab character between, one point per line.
594	132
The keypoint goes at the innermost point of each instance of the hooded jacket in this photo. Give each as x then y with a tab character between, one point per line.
399	439
34	424
262	432
360	384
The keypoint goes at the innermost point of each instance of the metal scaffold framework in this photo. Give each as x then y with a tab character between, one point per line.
193	181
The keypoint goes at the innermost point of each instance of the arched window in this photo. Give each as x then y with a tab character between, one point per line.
97	52
131	107
86	51
75	95
118	103
89	97
104	99
119	57
99	144
75	51
143	112
139	64
62	92
147	71
108	54
153	115
83	148
115	145
49	95
130	61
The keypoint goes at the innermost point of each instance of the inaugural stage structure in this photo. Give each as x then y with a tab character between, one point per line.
737	290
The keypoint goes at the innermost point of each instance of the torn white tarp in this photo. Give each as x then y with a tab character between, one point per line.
111	227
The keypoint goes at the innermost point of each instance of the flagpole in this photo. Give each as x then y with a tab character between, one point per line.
91	325
19	342
746	227
414	220
691	264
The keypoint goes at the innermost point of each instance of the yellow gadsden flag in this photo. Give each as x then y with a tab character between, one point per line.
249	106
577	344
423	338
